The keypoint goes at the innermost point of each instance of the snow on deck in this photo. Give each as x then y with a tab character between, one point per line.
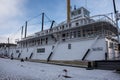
16	70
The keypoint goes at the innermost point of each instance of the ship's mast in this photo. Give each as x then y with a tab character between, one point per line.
116	18
26	29
68	11
42	21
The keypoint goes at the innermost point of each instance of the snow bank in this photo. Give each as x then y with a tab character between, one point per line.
16	70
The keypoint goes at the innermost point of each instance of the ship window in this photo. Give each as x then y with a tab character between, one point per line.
72	14
53	47
110	45
70	25
38	41
67	34
84	35
41	41
77	24
60	27
116	46
46	40
66	25
71	34
57	28
23	44
41	50
79	35
17	51
81	22
63	27
79	11
63	35
69	46
74	34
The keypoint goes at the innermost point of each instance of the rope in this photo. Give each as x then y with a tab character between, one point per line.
12	36
35	17
48	18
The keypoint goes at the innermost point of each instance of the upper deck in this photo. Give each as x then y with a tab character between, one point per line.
95	21
82	24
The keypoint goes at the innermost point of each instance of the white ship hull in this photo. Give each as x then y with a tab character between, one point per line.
61	52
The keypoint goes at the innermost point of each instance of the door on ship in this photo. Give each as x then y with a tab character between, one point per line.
110	50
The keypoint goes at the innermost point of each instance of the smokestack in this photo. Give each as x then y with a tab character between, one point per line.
68	10
25	29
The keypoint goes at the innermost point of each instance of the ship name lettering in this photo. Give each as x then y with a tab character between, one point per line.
97	49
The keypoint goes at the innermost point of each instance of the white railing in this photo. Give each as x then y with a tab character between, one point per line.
59	27
93	19
105	18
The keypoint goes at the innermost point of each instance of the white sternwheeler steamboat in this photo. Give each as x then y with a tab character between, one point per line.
81	38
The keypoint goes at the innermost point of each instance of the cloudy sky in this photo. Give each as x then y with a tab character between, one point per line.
14	13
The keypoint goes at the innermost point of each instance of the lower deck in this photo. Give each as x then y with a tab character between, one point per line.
86	50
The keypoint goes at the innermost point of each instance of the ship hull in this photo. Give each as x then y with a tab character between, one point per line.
78	49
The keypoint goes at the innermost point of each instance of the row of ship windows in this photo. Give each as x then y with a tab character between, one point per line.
67	35
78	12
73	34
42	50
83	21
35	42
66	26
112	45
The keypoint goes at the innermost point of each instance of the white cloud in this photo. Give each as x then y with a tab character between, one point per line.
13	13
3	39
10	9
12	37
10	13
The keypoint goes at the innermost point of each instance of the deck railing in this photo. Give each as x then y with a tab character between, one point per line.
74	23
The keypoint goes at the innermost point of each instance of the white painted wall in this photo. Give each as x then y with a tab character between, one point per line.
77	51
43	56
112	53
26	52
98	54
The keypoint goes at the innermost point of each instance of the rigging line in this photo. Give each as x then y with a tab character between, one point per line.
34	24
47	22
86	3
15	32
34	17
48	18
55	24
110	15
40	22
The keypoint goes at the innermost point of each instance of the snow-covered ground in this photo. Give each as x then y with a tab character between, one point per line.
16	70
